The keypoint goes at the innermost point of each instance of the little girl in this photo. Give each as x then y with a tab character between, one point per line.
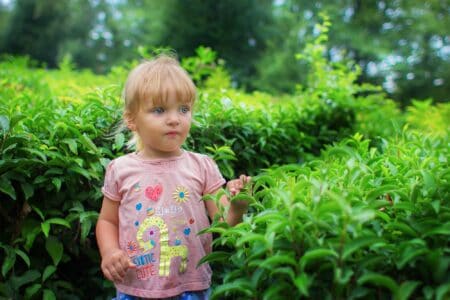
152	207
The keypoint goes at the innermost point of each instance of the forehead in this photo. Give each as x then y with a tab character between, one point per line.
171	98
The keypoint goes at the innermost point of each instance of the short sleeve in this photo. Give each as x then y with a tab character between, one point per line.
213	178
110	187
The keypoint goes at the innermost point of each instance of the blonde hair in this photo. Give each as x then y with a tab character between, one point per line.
153	80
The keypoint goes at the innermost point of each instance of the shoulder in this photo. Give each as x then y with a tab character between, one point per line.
122	163
124	159
199	158
203	162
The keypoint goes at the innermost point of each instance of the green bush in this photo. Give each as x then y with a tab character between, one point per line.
55	141
356	223
310	226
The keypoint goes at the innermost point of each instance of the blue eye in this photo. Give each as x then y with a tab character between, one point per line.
184	109
157	110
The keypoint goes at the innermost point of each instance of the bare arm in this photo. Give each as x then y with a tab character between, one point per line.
236	208
115	262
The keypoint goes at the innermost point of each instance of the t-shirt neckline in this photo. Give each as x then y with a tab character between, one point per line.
158	161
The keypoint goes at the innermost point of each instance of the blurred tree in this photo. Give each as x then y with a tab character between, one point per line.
37	28
403	45
237	30
5	14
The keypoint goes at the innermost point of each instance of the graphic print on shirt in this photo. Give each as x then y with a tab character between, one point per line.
181	194
167	252
154	192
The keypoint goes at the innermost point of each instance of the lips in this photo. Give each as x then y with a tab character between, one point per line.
172	133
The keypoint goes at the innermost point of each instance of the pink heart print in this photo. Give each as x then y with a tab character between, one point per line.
153	193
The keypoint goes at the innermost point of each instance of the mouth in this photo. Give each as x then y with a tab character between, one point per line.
172	133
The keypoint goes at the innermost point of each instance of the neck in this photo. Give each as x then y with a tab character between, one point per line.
147	154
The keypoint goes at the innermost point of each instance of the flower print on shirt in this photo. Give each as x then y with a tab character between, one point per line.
181	194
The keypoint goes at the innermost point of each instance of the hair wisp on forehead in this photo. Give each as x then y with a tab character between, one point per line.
154	80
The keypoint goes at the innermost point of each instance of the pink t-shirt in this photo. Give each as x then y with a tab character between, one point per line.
160	214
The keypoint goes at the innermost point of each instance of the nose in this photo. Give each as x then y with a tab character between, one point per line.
173	118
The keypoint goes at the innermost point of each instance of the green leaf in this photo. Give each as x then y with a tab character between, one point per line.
54	248
277	260
7	188
214	256
9	260
59	221
31	290
405	290
444	229
342	277
57	183
381	191
302	283
250	238
45	226
403	227
49	270
85	229
242	197
49	295
119	141
238	287
16	119
38	211
429	181
88	215
273	292
27	277
87	142
72	145
379	280
443	291
80	171
28	190
24	256
359	243
316	254
408	254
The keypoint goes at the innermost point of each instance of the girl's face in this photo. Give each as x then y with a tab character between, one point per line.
162	128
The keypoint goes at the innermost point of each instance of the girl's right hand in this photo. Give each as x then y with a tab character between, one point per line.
115	264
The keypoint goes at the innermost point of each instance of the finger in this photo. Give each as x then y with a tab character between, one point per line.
124	264
108	275
117	275
112	274
131	265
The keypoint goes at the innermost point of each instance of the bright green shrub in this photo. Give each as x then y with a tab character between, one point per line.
57	135
430	118
55	144
356	223
52	160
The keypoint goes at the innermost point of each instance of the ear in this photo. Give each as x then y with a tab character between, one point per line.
129	121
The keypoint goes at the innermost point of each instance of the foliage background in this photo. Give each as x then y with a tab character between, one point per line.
402	46
351	188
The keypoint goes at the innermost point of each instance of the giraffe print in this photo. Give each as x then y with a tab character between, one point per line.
166	252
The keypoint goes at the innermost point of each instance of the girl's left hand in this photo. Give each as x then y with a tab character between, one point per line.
236	185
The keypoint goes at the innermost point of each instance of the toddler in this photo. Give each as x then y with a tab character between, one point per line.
152	208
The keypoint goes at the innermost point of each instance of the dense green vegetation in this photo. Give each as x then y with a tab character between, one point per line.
350	197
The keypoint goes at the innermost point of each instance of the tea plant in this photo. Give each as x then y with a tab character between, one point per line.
357	223
56	142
